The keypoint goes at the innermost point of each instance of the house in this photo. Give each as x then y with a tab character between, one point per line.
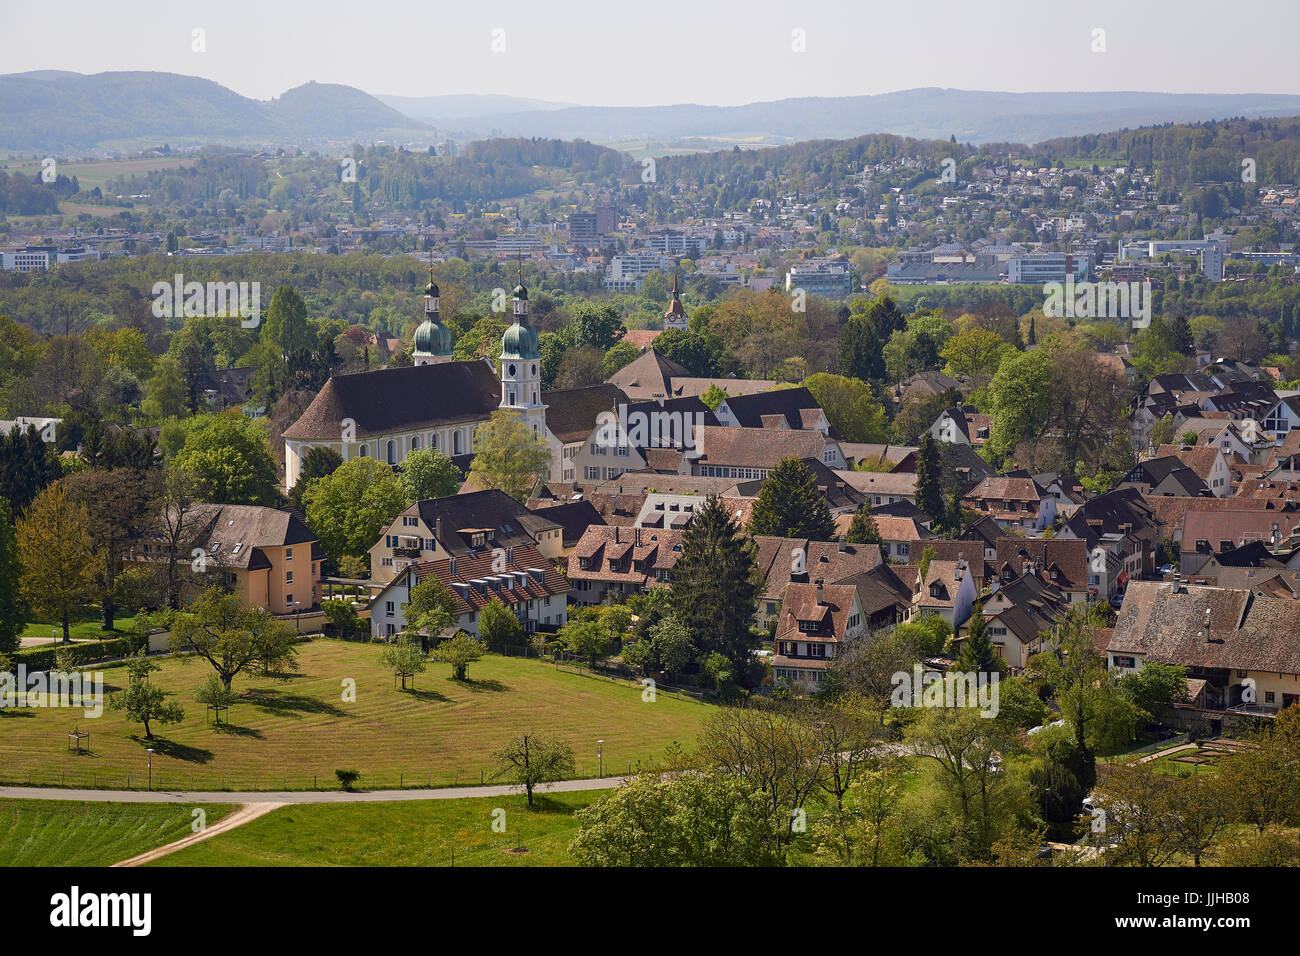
522	579
621	561
460	525
571	416
783	561
1121	523
962	425
1166	475
884	594
1207	533
924	385
882	487
901	539
1020	617
648	377
1063	561
946	589
268	557
1018	503
1207	461
793	408
753	452
642	436
573	517
1240	643
816	620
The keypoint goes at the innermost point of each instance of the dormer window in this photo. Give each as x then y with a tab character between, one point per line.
809	627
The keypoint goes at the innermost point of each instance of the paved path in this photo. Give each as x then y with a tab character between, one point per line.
281	797
244	813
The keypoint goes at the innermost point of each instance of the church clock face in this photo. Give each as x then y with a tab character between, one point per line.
511	370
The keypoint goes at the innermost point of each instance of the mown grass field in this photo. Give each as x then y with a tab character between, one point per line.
295	733
66	833
85	628
402	833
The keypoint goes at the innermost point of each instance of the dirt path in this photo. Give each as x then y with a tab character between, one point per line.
238	817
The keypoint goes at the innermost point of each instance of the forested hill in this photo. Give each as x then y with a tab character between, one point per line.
55	112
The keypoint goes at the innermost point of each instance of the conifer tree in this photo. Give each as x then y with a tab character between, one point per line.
790	506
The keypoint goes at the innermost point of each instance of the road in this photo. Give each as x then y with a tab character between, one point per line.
297	796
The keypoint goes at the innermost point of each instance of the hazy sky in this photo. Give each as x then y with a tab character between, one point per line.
629	53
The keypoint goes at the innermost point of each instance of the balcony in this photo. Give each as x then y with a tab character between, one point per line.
406	552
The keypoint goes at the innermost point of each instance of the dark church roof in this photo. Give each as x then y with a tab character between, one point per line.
400	399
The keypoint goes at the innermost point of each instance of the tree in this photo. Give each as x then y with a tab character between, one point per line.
233	638
1155	686
143	702
432	606
459	651
532	759
405	658
509	456
342	617
498	627
428	473
850	407
715	588
286	322
320	462
121	503
349	509
929	478
165	392
860	832
973	356
212	693
674	651
978	655
690	819
772	750
862	529
180	523
27	464
228	458
790	506
1136	801
12	617
58	557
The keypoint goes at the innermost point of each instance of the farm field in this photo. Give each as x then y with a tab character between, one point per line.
406	833
61	833
294	733
92	174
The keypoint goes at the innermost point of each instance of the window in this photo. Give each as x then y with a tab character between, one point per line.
392	452
288	554
415	443
1269	697
288	577
810	627
388	608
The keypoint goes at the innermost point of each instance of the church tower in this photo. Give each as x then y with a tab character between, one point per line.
675	317
521	365
432	338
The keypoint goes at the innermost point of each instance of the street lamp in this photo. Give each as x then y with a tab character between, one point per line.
297	619
149	751
600	756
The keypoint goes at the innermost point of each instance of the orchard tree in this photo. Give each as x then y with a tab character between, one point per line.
459	651
405	658
498	627
233	638
532	759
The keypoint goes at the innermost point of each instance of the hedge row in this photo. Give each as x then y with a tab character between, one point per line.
82	652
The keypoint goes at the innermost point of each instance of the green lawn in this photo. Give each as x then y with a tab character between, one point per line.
401	833
65	833
295	733
85	628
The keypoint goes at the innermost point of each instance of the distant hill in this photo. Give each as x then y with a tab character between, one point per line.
54	112
437	110
931	113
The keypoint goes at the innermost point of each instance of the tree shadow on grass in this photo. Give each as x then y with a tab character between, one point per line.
426	694
292	705
544	803
16	712
235	730
479	686
177	751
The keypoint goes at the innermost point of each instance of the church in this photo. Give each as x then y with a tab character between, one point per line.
439	403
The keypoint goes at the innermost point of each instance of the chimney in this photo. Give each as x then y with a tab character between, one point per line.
844	543
820	602
437	529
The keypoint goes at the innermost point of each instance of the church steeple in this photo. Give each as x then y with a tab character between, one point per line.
675	317
432	338
521	379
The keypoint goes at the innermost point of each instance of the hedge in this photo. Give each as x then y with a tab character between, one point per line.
82	652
